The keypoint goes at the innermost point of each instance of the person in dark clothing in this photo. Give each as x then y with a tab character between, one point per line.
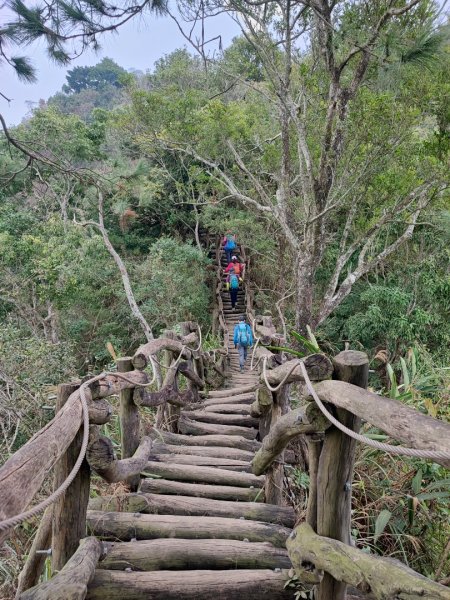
232	283
229	245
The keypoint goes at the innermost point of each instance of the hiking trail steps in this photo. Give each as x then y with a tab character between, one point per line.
198	528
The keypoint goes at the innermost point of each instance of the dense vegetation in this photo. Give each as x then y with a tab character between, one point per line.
184	148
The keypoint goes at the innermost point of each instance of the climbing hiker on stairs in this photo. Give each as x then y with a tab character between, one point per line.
232	282
229	244
243	340
238	266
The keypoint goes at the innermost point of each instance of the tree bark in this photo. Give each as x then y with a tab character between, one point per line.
188	426
318	366
129	421
191	473
231	441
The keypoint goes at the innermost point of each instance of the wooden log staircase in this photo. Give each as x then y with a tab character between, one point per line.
204	516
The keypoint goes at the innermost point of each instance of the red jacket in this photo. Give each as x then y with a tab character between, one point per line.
238	268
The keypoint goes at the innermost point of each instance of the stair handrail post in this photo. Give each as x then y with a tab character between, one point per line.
129	417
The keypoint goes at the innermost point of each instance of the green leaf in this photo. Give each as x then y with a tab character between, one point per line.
285	349
393	392
433	496
381	522
438	484
313	339
406	380
416	483
305	342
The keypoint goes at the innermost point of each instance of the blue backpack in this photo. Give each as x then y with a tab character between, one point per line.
243	335
234	282
230	243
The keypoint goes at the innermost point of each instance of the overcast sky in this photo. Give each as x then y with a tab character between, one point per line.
137	45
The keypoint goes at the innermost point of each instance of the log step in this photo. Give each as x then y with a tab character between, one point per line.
251	584
203	461
237	409
231	392
240	399
188	426
204	451
218	492
127	526
175	554
232	441
189	505
192	473
221	419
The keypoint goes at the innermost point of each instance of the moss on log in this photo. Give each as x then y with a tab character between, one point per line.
385	578
251	584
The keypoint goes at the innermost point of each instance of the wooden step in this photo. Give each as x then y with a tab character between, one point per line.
238	390
188	426
218	492
202	461
237	409
127	526
192	473
190	505
221	419
204	451
233	584
176	554
243	399
233	441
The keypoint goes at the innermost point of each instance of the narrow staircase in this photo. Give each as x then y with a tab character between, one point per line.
198	528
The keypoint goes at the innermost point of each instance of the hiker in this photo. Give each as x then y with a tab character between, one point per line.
243	340
232	282
229	244
237	266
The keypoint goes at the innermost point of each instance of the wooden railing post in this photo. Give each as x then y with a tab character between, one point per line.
335	470
275	474
129	420
69	511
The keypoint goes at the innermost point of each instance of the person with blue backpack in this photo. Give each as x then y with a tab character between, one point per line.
243	340
232	283
229	245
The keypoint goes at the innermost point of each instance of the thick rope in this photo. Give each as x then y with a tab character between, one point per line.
395	450
283	381
175	364
39	508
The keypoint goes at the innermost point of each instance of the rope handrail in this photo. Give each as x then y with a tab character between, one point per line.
391	449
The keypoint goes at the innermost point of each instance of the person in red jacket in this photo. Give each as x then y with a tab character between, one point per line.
238	267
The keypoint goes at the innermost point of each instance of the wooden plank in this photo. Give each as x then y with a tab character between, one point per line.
232	441
204	451
127	526
219	492
191	473
192	427
233	584
175	554
202	461
204	416
189	505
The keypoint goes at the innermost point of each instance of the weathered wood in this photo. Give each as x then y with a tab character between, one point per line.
232	441
221	419
263	403
385	578
335	470
237	409
318	367
204	451
274	478
72	581
142	355
154	555
187	425
203	461
127	526
167	394
185	370
218	492
245	399
112	385
189	505
100	455
100	410
129	421
69	511
314	449
251	584
399	421
191	473
232	391
34	565
307	419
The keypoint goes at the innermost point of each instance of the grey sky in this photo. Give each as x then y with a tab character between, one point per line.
137	45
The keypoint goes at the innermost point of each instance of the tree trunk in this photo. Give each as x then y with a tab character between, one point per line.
304	292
